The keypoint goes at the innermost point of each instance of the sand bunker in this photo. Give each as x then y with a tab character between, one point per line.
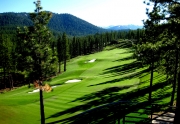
73	81
69	81
54	86
91	61
37	90
34	91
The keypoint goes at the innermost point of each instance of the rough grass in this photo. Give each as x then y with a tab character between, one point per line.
113	74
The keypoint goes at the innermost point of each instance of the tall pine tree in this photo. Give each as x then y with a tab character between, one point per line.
36	46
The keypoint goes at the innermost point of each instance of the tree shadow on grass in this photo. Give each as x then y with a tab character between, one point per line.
105	112
127	68
103	93
108	105
124	69
129	57
124	72
125	44
125	77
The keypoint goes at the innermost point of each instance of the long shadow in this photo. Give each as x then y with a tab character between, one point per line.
125	44
95	99
130	57
114	90
122	44
128	50
101	94
129	76
124	69
127	68
107	113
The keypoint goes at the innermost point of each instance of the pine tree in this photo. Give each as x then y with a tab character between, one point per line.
6	49
35	50
35	46
167	11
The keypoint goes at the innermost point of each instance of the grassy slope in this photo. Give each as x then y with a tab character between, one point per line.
112	74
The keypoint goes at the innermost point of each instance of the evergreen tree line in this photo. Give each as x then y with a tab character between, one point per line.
20	53
159	47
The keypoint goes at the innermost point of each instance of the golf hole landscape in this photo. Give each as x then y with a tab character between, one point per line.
91	84
90	62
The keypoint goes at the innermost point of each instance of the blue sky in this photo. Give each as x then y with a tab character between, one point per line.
98	12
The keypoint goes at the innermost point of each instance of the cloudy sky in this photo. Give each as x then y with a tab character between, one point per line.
98	12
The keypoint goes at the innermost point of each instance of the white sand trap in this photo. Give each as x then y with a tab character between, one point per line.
93	60
73	81
90	61
34	91
37	90
54	86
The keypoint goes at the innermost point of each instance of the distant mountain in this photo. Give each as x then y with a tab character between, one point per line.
73	25
107	27
67	23
124	27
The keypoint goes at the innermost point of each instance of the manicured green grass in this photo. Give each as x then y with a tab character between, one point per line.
113	74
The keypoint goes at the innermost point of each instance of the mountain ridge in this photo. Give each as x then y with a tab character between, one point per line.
59	23
77	25
67	23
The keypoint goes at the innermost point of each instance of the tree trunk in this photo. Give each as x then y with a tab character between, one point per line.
175	80
151	79
10	82
59	67
64	65
29	84
4	71
177	111
41	104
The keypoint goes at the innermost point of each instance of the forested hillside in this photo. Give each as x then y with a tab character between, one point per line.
72	25
10	21
59	23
